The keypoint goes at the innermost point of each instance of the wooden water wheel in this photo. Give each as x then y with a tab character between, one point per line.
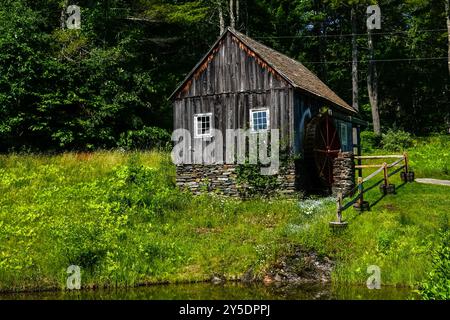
322	146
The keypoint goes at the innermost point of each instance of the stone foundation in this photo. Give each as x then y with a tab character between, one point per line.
343	173
287	180
222	179
199	178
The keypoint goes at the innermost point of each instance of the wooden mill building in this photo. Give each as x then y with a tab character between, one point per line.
243	84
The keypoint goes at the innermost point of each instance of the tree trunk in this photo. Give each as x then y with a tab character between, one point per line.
237	12
447	10
63	14
355	103
372	86
232	20
221	21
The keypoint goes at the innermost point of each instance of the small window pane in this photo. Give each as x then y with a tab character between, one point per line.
203	125
260	120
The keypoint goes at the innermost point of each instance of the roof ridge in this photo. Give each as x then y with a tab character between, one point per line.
330	96
293	71
262	44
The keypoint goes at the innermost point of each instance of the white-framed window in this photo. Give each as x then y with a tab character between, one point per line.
259	119
202	125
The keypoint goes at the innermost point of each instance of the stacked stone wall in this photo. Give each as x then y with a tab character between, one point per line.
222	179
343	173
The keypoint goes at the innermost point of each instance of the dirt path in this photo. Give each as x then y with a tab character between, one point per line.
434	181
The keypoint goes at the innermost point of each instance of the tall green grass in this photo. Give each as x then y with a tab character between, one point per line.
430	157
121	219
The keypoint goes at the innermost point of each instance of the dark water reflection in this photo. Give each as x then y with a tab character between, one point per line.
227	291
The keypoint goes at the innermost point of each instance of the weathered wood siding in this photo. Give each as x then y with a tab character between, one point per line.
228	84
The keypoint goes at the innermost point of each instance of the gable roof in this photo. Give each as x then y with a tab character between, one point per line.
291	70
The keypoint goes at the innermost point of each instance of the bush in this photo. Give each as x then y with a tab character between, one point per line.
437	286
396	140
148	191
369	141
430	157
253	182
146	138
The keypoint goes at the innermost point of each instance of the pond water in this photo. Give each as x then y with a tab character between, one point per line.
225	291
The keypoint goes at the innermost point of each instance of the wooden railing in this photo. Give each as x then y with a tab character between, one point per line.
358	202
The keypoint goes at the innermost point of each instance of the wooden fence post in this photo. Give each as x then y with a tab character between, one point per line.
409	174
360	191
405	158
360	204
387	188
339	207
385	172
339	223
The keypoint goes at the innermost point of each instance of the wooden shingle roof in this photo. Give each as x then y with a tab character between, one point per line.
291	70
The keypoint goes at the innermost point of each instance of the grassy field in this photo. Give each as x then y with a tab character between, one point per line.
430	157
120	217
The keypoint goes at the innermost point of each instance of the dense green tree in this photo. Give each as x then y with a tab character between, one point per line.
83	89
410	53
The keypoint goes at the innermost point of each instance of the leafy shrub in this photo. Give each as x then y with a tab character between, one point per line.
369	141
430	157
253	182
146	138
149	191
437	286
396	140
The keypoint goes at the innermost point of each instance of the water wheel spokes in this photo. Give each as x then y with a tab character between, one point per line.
324	146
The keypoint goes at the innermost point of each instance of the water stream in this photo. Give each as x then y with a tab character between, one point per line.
225	291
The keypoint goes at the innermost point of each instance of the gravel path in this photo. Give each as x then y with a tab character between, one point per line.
434	181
